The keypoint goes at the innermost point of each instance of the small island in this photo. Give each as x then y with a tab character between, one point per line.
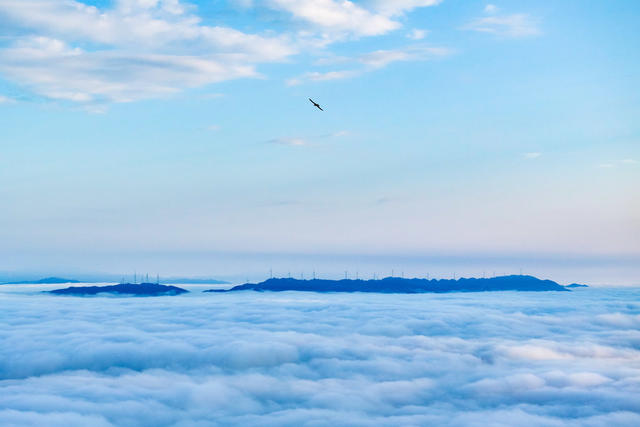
133	289
403	286
576	285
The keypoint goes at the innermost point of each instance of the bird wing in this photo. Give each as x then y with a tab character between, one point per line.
315	104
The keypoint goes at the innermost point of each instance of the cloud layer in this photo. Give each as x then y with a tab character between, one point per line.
319	359
135	49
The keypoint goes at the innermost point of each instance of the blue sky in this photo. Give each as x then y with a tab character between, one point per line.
468	129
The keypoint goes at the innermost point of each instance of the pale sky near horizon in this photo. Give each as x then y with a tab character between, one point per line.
468	128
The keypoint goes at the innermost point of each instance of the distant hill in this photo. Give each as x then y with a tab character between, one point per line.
141	289
401	285
45	281
576	285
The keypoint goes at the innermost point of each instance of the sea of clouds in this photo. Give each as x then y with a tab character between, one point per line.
294	358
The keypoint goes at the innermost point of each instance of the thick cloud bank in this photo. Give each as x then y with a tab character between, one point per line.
247	358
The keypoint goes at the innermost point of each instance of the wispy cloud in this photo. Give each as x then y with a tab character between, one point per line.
291	142
382	58
280	202
533	155
305	141
140	25
372	61
491	8
54	69
399	7
6	100
516	25
606	165
212	95
417	34
316	76
339	134
384	200
630	161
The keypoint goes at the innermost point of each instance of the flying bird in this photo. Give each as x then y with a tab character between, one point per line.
316	104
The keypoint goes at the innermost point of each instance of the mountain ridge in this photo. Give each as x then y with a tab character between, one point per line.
402	285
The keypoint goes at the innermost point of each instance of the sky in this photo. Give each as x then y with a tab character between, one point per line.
177	136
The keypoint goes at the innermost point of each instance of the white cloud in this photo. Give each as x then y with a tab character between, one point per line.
139	24
69	50
294	81
516	25
6	100
53	69
417	34
372	61
311	359
292	142
212	95
139	49
382	58
213	128
315	76
331	75
337	16
307	140
340	133
606	165
532	155
398	7
630	161
491	9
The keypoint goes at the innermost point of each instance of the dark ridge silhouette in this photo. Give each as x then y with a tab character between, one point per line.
137	289
403	286
576	285
45	281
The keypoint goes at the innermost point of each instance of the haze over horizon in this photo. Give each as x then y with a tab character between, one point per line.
241	268
177	137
